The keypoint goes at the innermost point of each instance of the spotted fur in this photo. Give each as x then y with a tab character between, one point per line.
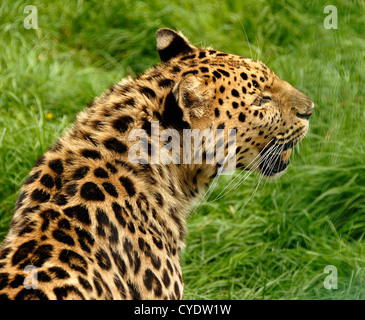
97	226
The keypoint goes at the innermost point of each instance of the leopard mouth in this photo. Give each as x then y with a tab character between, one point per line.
275	158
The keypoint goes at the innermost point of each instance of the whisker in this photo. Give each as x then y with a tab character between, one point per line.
248	42
242	172
245	177
240	178
245	174
212	185
267	170
253	193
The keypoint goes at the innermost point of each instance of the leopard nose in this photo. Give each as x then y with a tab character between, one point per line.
306	114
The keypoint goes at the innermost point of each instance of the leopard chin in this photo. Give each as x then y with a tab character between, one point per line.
275	159
274	163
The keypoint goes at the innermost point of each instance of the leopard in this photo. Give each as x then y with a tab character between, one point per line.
92	222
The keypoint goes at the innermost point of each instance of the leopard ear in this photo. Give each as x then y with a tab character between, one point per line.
194	95
187	103
171	44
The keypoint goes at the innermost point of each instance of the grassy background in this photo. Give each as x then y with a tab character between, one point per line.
277	246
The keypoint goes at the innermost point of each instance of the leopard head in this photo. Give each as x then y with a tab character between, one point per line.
219	90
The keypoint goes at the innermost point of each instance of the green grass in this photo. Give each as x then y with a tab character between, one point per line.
277	246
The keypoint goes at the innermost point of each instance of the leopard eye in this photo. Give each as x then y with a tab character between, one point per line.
260	100
257	101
